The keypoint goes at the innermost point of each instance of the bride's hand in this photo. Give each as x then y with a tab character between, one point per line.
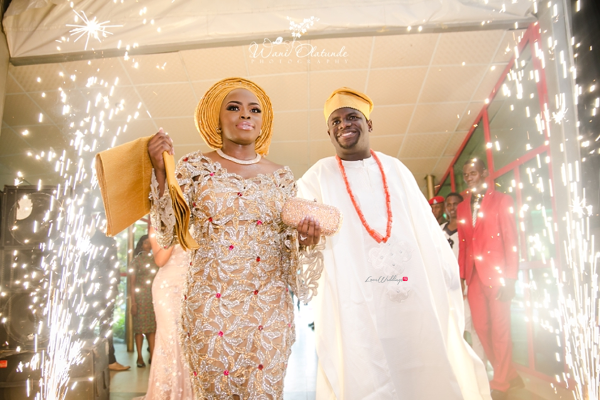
159	143
309	231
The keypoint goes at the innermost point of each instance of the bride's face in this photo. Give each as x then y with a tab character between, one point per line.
240	117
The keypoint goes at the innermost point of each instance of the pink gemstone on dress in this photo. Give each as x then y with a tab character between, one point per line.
226	373
257	259
195	373
221	333
259	222
185	296
260	366
231	247
260	327
256	292
185	159
210	219
218	295
405	279
212	174
239	194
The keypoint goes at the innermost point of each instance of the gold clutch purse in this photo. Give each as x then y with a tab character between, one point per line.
329	217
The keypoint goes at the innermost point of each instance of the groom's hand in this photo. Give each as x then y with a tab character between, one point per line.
309	231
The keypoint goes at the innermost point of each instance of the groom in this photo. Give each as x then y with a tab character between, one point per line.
389	313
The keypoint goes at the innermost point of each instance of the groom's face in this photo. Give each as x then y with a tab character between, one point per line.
348	130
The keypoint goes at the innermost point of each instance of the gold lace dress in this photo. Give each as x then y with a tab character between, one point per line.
237	313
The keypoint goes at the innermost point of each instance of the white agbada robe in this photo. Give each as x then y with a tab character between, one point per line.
401	339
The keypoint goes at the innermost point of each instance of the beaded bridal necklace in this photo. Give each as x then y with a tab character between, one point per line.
237	160
374	234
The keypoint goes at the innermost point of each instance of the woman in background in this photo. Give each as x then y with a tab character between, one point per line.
143	270
169	377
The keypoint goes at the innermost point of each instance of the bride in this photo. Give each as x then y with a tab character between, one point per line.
237	313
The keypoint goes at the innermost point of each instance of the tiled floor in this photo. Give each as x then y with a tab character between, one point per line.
300	380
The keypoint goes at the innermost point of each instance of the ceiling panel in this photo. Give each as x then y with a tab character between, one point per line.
318	126
200	64
156	68
469	115
19	109
445	84
287	92
391	120
357	53
290	125
424	145
265	61
491	77
477	47
454	143
289	153
106	69
396	86
436	117
387	144
182	130
420	167
12	86
12	144
322	84
403	50
320	149
507	44
175	100
136	129
41	77
441	168
43	138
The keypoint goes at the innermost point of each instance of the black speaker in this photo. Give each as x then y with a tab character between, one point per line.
27	219
28	216
89	380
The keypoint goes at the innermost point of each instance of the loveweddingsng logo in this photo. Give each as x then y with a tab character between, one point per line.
384	279
284	51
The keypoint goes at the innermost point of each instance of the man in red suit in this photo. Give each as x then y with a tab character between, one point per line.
489	263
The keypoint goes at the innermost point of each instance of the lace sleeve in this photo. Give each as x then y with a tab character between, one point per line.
162	215
305	265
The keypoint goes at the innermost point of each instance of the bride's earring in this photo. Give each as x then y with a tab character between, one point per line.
219	130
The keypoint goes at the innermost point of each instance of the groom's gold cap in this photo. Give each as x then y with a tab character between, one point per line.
346	97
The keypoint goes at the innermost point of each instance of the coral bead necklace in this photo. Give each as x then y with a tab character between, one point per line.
374	234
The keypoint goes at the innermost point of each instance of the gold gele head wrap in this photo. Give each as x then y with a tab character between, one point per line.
209	108
346	97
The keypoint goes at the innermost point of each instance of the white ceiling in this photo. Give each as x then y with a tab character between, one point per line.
427	90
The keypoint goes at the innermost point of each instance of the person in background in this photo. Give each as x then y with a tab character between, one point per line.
450	229
143	270
108	272
169	377
489	263
437	208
